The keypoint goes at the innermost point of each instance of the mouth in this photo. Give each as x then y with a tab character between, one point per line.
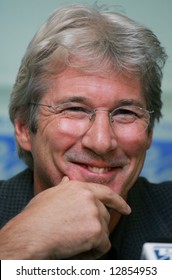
98	170
94	173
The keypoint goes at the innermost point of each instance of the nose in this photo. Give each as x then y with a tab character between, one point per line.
99	137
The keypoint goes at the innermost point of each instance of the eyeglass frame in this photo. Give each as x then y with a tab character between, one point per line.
92	115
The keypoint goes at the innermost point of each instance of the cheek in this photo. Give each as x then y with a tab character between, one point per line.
61	138
70	128
135	147
135	150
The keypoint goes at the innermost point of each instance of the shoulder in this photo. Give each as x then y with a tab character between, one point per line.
143	186
20	178
150	219
20	184
152	197
15	193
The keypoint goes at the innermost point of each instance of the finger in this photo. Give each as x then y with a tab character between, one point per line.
104	216
103	193
103	246
65	179
110	198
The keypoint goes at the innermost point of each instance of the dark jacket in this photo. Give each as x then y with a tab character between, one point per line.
150	220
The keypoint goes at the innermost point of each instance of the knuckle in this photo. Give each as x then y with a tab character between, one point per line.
88	194
94	230
108	246
94	235
97	230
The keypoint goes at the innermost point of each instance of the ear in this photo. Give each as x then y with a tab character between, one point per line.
22	135
150	136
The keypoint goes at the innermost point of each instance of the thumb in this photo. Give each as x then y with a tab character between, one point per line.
65	179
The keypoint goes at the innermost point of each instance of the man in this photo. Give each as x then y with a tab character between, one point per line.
84	104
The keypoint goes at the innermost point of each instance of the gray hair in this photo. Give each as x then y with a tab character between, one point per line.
90	40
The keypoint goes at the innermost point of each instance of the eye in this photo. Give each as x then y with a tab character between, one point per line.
74	112
125	111
125	114
75	109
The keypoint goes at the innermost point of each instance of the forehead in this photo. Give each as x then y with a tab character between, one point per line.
109	87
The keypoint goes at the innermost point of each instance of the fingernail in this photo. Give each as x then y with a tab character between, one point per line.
127	209
65	179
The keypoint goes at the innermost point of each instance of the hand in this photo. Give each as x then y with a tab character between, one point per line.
64	221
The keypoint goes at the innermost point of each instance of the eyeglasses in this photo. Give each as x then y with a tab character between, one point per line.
124	120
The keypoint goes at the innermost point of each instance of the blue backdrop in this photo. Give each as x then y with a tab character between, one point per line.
158	165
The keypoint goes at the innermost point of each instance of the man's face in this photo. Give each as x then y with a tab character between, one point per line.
97	154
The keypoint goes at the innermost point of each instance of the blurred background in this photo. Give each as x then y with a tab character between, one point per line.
20	19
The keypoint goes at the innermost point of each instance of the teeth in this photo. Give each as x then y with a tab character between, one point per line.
98	170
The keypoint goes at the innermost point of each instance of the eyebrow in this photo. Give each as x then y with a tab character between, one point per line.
85	100
77	99
129	102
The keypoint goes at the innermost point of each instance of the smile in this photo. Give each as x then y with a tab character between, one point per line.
98	170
